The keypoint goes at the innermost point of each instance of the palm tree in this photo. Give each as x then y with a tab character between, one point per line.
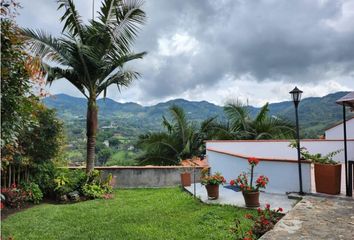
242	126
181	139
91	56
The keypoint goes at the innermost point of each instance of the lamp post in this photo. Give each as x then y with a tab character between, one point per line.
296	96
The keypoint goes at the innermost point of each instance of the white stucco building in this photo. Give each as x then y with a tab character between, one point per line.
336	132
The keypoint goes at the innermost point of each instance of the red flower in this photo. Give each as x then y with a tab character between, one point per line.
280	209
267	206
253	161
232	182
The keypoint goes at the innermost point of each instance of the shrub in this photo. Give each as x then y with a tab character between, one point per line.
95	187
34	193
15	197
93	190
67	181
263	221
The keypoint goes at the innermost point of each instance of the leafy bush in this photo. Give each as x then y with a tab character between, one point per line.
15	196
34	193
67	181
95	187
93	190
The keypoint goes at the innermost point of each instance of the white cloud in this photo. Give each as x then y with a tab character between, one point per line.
179	43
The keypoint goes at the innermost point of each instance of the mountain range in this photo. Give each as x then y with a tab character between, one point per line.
315	113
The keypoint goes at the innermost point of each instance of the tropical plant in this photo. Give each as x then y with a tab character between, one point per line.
91	56
241	125
181	139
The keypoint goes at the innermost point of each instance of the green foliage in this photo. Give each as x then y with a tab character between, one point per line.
43	142
95	187
67	181
104	155
181	139
122	158
317	157
181	216
242	126
93	191
34	193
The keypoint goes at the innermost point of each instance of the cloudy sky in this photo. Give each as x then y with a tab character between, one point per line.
228	49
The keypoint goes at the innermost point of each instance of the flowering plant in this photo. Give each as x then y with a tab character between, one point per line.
15	196
242	180
215	179
263	222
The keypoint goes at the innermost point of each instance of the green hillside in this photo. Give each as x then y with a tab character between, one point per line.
131	119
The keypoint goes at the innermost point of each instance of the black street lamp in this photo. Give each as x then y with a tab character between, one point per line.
296	95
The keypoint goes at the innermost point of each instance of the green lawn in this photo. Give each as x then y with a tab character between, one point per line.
166	213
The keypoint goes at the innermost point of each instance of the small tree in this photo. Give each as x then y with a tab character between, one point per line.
91	56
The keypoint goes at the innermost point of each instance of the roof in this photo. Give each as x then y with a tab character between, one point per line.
195	162
337	124
347	100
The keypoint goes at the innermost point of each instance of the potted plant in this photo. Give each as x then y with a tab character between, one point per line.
327	171
250	192
186	179
212	183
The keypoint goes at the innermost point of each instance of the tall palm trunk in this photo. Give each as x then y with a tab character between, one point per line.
91	129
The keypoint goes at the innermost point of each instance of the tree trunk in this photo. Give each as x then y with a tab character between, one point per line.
91	129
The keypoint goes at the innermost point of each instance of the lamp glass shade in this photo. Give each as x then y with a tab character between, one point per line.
296	95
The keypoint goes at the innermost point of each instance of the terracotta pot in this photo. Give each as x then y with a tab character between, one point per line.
251	198
213	191
327	178
186	179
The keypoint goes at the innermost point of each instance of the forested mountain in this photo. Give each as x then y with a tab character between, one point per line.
316	113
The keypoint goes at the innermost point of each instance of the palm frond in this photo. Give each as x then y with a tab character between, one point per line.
71	18
45	46
129	18
262	113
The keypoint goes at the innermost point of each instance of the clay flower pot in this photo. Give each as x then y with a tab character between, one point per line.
213	191
327	178
186	179
251	198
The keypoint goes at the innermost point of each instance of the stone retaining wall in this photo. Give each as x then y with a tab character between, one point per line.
147	176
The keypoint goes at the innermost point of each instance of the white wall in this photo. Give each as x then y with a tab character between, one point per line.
283	176
279	149
337	131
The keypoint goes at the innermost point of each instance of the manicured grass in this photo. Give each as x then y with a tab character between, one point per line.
166	213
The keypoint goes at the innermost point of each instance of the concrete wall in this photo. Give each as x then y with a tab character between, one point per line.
147	176
283	175
336	132
279	149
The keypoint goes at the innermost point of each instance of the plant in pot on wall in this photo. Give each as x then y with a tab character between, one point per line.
327	172
212	183
250	192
